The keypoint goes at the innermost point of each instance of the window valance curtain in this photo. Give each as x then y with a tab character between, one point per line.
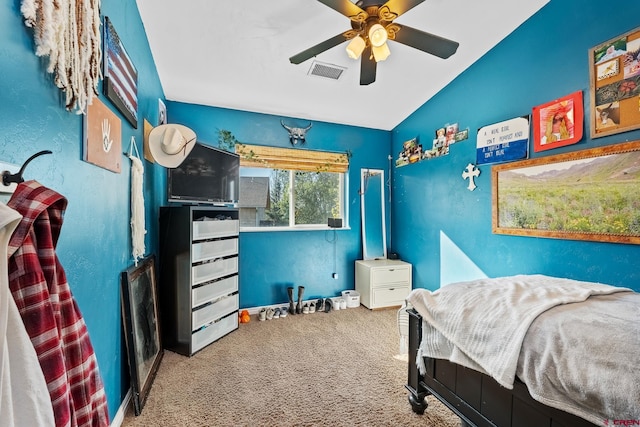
292	159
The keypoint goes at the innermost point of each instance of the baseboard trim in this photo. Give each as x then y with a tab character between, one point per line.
118	419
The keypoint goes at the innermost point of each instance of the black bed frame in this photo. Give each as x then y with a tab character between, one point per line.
475	397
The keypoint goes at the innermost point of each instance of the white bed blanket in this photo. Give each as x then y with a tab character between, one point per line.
481	324
596	378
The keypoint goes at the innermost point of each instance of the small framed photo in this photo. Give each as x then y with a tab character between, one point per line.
558	123
162	113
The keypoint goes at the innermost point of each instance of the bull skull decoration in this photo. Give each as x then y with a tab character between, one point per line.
296	134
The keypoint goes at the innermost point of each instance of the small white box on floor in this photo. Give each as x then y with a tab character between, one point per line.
352	298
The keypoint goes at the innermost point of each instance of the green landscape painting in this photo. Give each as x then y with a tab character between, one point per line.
599	195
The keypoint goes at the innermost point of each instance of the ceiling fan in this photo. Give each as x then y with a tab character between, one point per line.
372	25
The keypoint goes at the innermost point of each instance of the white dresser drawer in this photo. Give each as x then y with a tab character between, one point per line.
381	276
212	229
214	249
214	269
211	312
214	290
384	297
213	332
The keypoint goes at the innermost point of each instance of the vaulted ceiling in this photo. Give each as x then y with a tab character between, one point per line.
235	54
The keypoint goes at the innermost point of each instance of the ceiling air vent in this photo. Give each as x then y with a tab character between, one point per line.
329	71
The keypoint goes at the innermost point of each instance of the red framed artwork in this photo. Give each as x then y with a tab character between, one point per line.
558	123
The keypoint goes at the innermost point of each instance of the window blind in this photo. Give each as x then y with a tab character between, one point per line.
292	159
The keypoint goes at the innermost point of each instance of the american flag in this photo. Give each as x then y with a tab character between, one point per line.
121	76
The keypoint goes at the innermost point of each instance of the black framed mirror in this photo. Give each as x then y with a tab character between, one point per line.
141	324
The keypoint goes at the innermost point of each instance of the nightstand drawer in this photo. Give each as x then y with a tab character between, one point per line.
214	249
390	296
390	275
211	312
383	282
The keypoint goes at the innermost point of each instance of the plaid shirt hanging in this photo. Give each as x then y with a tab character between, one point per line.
50	314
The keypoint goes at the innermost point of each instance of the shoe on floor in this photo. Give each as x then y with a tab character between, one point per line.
276	313
320	305
312	307
283	312
262	315
270	313
327	305
305	309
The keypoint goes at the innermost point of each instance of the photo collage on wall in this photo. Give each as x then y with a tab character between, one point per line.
615	79
615	108
444	137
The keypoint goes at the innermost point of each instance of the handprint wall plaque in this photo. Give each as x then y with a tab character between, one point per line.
102	137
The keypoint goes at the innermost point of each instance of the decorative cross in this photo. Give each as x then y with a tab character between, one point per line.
471	172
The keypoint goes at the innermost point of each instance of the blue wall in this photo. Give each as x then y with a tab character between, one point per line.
444	229
94	245
436	221
271	261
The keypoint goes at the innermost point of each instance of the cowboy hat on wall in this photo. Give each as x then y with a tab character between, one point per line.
170	144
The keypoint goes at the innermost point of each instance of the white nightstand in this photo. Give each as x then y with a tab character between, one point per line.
383	282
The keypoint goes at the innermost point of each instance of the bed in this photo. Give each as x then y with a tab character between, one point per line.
528	350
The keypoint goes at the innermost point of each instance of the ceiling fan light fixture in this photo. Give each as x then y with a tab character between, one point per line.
355	47
377	35
372	25
380	53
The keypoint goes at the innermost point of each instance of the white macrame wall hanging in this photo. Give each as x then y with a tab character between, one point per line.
137	203
68	32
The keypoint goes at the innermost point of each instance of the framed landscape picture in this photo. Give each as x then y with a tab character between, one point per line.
584	195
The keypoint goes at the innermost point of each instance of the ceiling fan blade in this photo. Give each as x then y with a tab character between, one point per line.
367	68
426	42
401	6
345	7
318	49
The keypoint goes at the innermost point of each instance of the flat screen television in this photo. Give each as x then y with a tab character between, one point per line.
208	175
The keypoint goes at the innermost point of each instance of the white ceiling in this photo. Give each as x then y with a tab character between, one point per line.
235	54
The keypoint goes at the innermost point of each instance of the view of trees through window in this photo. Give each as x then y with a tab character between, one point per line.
315	197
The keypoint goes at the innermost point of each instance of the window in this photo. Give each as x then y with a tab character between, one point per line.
290	188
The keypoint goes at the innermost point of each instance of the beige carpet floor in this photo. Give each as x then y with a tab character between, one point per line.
333	369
